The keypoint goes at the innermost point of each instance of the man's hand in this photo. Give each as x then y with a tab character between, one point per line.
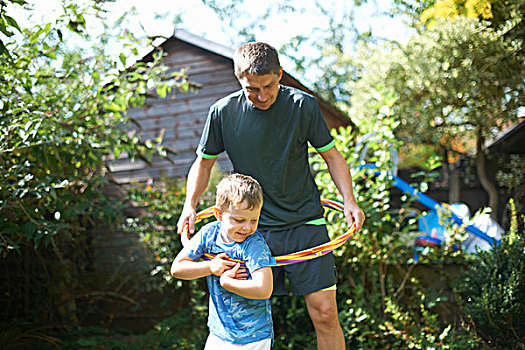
354	214
219	264
186	223
196	184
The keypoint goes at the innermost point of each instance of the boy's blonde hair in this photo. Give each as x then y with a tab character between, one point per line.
236	189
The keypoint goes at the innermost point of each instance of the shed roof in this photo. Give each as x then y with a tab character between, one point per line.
333	116
511	140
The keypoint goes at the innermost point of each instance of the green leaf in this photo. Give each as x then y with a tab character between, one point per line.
50	53
11	21
122	58
162	90
81	20
113	107
28	229
2	48
3	28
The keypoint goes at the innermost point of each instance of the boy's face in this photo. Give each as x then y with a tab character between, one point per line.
238	222
261	90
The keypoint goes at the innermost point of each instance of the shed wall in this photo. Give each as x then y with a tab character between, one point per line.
181	116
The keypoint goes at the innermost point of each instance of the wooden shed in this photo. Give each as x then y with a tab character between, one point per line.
182	118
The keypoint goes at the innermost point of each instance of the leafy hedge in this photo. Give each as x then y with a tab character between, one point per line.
63	120
493	292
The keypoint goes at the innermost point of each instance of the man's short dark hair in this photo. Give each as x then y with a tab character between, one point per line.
256	58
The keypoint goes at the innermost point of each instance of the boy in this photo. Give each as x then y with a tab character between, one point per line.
240	315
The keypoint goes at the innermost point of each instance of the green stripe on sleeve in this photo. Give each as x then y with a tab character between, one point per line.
206	156
320	221
326	148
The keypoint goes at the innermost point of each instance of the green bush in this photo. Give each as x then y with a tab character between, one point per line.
186	330
63	120
492	291
384	300
292	327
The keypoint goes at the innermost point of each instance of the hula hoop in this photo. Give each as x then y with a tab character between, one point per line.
302	255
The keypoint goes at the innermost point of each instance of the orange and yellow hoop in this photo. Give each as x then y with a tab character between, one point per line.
302	255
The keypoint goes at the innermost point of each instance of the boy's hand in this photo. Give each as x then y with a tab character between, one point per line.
219	264
237	272
242	273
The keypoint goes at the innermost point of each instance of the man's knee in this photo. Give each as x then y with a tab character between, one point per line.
323	310
325	316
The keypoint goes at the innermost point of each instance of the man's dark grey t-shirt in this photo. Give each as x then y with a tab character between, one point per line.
271	146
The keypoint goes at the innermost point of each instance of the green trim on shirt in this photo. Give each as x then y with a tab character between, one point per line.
320	221
326	148
206	156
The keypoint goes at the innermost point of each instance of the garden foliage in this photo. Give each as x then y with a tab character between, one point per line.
63	120
383	301
492	292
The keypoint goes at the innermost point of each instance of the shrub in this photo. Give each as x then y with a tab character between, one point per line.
492	291
385	302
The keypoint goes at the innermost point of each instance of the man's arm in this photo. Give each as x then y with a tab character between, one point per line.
342	178
259	287
197	181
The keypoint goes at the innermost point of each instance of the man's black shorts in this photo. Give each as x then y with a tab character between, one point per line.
307	276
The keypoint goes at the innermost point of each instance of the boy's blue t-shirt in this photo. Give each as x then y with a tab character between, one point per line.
233	318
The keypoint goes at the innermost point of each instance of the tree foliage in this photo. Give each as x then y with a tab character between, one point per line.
63	118
450	8
502	15
456	78
456	82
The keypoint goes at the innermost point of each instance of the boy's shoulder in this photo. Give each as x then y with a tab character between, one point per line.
256	240
210	231
256	237
257	254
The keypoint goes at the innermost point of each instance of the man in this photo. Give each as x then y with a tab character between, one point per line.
265	128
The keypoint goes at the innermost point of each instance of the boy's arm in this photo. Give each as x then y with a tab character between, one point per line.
186	269
259	287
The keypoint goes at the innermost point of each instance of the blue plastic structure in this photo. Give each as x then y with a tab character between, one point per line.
434	205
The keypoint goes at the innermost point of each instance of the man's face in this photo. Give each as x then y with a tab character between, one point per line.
261	90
